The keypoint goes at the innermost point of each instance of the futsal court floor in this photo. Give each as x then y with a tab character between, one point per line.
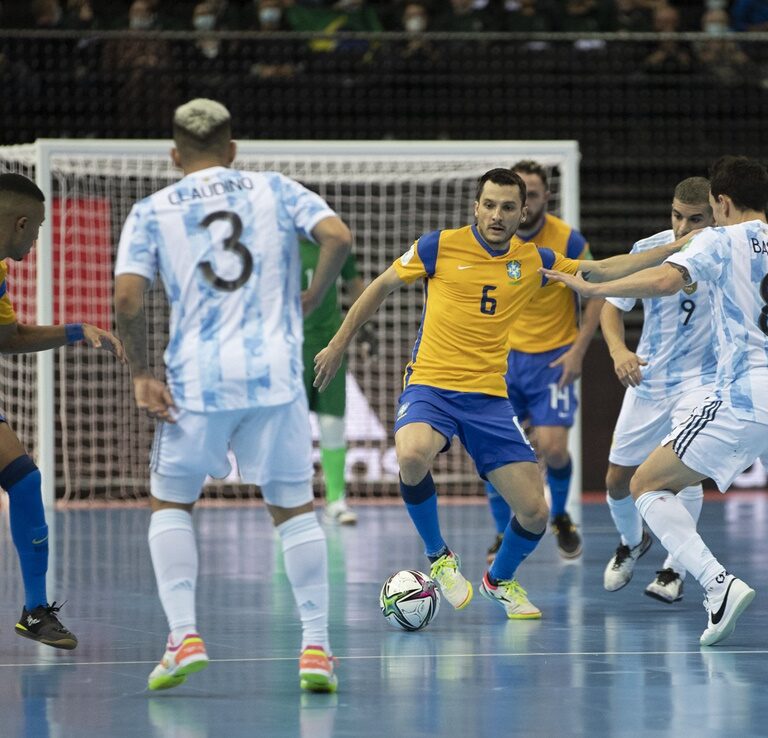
597	664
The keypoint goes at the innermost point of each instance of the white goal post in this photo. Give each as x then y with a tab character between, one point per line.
389	192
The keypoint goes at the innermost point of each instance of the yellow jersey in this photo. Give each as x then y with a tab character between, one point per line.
472	296
551	320
7	314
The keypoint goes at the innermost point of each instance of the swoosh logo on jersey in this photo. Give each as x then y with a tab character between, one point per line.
718	616
466	267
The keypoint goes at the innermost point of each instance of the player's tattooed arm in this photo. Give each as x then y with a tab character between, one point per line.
132	320
683	272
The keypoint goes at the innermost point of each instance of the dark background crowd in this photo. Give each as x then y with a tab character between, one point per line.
448	16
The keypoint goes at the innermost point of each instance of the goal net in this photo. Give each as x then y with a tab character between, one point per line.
74	408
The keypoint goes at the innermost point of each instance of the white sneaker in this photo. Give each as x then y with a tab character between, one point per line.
622	565
512	597
338	512
178	662
724	607
667	587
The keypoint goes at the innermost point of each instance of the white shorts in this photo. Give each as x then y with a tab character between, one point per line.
643	424
271	445
717	444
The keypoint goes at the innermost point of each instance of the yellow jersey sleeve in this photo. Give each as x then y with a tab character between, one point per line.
420	260
7	313
564	264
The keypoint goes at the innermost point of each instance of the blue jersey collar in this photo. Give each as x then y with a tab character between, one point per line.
487	246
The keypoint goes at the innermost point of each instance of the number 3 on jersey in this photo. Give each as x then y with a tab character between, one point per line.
762	321
231	243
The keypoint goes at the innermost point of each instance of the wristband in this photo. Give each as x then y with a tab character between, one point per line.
74	332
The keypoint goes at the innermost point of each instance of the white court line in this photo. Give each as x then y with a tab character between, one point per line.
400	657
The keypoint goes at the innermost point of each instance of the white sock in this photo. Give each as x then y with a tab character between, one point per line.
692	499
174	557
627	520
673	525
306	565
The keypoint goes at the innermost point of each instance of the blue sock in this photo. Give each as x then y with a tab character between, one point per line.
559	481
499	509
21	479
421	503
517	544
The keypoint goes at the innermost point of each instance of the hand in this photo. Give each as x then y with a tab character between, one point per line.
98	338
571	361
575	282
154	397
327	363
369	340
309	302
627	365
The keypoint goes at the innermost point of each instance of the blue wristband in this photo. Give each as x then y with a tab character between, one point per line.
74	332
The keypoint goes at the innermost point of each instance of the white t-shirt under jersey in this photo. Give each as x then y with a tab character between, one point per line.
677	340
734	260
225	243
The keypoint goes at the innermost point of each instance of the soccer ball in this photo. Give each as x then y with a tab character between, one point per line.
409	600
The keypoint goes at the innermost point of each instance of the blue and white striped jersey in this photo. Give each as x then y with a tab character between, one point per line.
226	245
677	339
734	259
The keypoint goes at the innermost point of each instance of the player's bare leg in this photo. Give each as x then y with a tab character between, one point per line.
417	445
551	443
521	486
653	487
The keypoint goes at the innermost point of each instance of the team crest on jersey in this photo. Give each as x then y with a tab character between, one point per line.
689	289
403	409
514	271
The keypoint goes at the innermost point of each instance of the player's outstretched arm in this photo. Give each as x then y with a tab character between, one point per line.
328	361
616	267
626	363
658	281
17	338
335	241
151	394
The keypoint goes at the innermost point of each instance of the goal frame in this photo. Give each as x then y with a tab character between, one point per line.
45	149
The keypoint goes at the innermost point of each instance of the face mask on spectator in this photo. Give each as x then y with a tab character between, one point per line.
141	22
716	28
204	22
415	24
270	16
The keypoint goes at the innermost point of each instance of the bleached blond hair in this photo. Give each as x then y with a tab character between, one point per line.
201	117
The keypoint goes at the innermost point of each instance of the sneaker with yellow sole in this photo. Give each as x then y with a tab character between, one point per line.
512	597
178	662
317	670
455	588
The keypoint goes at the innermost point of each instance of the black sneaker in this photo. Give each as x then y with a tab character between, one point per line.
568	539
494	549
42	625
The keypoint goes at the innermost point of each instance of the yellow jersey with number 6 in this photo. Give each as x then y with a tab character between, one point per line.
473	294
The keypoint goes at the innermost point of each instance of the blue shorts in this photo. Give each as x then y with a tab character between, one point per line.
486	425
532	387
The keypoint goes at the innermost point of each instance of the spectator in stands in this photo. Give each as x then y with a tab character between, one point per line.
417	52
721	57
269	15
139	64
587	16
463	17
635	16
669	56
204	19
79	16
533	16
750	15
48	14
343	15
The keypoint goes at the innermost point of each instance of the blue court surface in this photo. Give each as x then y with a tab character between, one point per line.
597	664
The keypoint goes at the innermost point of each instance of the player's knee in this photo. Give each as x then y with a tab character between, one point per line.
640	483
414	464
331	431
555	454
617	481
534	518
